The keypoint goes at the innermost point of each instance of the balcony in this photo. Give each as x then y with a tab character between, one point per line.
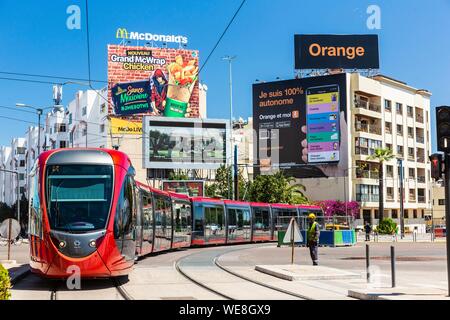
420	158
421	199
412	198
421	179
420	139
411	157
367	197
363	127
419	118
366	174
389	197
367	105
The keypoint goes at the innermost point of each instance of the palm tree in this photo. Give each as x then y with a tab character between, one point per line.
381	155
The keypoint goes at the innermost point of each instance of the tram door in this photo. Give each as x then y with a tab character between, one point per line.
238	224
182	223
163	223
261	223
214	224
147	222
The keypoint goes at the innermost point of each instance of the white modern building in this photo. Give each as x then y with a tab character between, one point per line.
56	133
17	163
87	119
5	177
31	152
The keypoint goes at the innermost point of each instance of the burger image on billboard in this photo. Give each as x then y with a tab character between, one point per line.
183	75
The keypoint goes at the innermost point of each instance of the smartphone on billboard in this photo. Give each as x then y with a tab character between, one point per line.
322	121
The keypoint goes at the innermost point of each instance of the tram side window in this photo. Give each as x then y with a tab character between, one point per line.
35	219
214	219
162	215
182	216
147	212
262	219
123	221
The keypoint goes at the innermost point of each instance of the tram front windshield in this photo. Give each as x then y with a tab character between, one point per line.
78	196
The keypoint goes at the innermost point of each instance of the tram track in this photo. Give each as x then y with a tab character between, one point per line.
214	264
33	286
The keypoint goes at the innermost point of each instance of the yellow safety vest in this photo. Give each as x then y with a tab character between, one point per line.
312	232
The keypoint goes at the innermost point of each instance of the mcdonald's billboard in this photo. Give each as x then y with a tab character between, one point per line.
168	76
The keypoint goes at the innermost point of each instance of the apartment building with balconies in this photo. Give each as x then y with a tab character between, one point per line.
389	113
381	113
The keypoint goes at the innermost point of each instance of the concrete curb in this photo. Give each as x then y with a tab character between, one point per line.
279	272
364	296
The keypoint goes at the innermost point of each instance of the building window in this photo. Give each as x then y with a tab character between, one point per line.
63	144
441	202
387	105
22	190
102	128
70	118
412	173
399	108
366	193
388	126
21	176
410	111
400	151
62	127
103	108
399	130
84	132
20	150
410	132
364	146
389	171
389	193
83	111
415	213
22	163
394	214
411	154
389	146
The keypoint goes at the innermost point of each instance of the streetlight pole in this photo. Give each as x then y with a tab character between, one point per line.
230	60
39	112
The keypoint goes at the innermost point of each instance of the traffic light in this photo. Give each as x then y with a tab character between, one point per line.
436	166
443	128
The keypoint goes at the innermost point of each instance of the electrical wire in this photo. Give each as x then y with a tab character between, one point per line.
48	76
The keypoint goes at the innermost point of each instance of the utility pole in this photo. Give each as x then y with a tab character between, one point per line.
230	61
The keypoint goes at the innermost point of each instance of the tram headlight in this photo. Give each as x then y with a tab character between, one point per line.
92	243
62	244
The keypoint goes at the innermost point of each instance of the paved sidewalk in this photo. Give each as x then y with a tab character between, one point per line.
400	293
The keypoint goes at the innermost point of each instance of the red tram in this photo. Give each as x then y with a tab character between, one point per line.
87	210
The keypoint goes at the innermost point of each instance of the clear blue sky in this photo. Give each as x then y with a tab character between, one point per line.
414	43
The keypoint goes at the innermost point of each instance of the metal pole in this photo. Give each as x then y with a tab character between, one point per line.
86	134
402	221
447	215
393	266
39	112
292	240
230	59
9	239
18	201
367	263
236	174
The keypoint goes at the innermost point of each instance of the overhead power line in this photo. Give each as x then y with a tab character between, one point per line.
49	76
222	35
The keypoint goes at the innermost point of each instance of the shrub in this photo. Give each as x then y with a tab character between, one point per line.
5	284
387	226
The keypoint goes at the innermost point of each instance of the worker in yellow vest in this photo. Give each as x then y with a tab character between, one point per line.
312	242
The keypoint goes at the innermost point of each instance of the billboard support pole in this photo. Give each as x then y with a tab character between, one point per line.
236	174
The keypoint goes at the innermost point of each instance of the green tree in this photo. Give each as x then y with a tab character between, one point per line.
5	284
381	155
387	226
277	188
178	175
219	188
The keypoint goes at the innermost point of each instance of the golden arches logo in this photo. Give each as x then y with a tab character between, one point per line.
122	33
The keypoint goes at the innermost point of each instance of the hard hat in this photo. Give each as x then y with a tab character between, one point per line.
311	216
